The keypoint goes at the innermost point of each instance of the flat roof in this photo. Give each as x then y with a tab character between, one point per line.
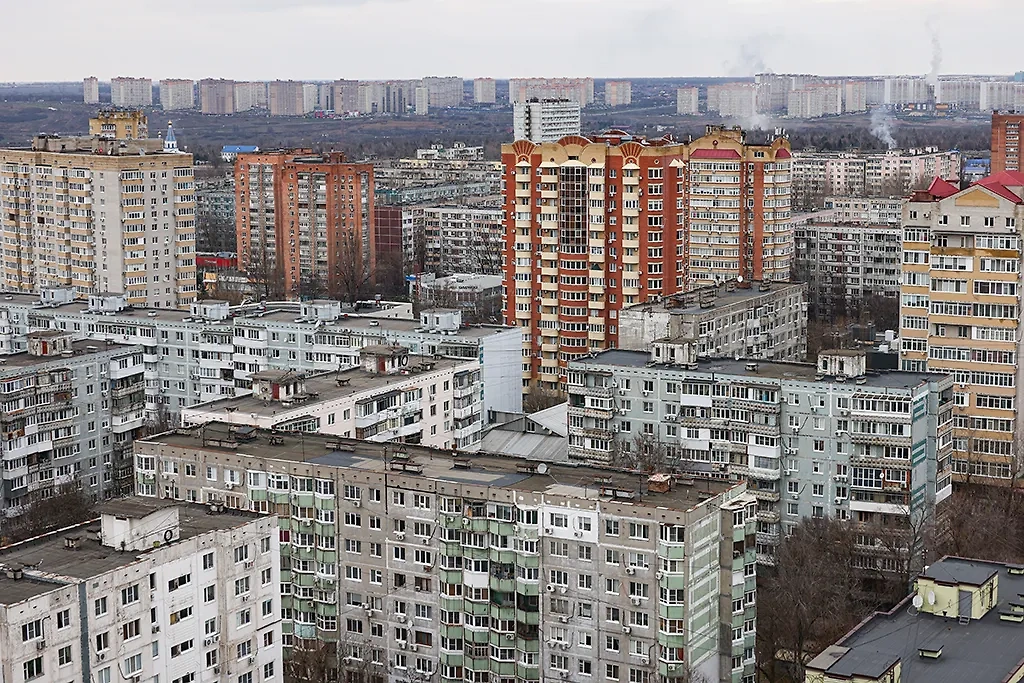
48	553
326	387
765	369
956	570
723	297
985	650
78	348
579	481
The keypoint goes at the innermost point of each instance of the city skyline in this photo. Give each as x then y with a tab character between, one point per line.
763	35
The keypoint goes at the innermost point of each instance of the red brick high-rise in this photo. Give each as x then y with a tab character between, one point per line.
593	225
304	223
1006	142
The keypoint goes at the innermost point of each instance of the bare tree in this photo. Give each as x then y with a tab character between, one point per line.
644	453
311	661
539	398
353	273
810	599
69	504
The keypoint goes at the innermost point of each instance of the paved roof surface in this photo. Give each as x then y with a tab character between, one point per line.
723	297
953	571
47	553
797	372
984	650
485	470
79	348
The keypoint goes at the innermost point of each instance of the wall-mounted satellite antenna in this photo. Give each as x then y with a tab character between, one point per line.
931	597
918	601
542	468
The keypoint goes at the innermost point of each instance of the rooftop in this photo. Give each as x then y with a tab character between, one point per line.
326	387
986	650
78	348
720	295
763	369
49	555
466	281
466	468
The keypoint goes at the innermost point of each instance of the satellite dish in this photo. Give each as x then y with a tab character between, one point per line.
931	597
542	468
917	601
739	278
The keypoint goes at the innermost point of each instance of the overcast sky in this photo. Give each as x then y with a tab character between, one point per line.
370	39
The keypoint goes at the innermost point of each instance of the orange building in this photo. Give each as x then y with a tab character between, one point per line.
1006	142
304	223
593	225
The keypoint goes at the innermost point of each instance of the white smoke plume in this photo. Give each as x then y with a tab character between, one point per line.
933	73
881	127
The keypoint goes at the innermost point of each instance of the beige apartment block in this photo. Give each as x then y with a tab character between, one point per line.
960	313
100	215
177	94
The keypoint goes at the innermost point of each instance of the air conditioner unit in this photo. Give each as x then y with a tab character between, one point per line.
466	521
550	588
245	598
41	645
622	392
549	530
636	601
401	645
100	656
400	535
627	630
578	534
249	565
564	619
216	670
156	628
839	501
400	618
552	643
646	393
510	636
563	589
229	486
357	503
659	575
207	641
645	660
413	647
631	570
252	659
795	496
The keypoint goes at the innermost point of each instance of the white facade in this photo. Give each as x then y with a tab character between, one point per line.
91	90
687	101
618	93
422	101
961	94
1001	96
131	92
546	120
733	99
855	96
815	101
310	97
907	90
196	597
444	91
484	91
177	94
579	90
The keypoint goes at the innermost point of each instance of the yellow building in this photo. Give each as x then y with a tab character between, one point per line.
960	315
100	215
123	124
962	622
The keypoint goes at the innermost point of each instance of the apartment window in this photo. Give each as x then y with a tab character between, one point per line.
100	607
32	630
130	594
33	668
63	618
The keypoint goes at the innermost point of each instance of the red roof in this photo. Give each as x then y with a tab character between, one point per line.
783	153
941	188
1000	183
715	154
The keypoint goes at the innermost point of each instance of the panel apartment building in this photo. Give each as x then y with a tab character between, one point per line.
100	215
304	222
441	567
817	175
70	412
594	226
152	590
176	93
1006	149
131	92
212	350
849	253
825	440
960	312
389	396
749	320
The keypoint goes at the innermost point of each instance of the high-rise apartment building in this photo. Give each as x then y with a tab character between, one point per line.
855	96
465	565
1006	149
960	94
310	97
106	215
131	92
461	239
287	98
176	93
816	100
733	99
304	223
152	590
444	91
217	96
120	124
687	100
422	102
579	90
346	96
1001	96
72	409
545	120
849	253
595	225
91	90
841	442
960	313
250	95
618	93
907	90
484	91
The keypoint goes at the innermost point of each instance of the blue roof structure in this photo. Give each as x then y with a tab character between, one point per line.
239	149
